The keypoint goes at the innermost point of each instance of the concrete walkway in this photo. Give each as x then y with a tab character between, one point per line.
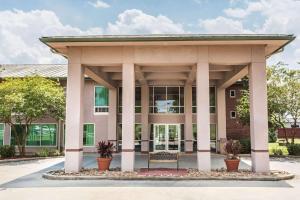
23	181
185	161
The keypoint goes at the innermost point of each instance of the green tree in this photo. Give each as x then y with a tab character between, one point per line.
283	86
25	100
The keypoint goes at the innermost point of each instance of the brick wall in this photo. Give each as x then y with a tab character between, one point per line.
289	132
234	128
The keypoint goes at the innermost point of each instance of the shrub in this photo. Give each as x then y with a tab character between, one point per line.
294	149
55	153
105	149
7	151
233	148
43	153
246	146
277	151
272	136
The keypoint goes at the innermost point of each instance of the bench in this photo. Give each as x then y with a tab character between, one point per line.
281	142
163	157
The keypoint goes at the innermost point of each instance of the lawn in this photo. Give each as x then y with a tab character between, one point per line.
275	145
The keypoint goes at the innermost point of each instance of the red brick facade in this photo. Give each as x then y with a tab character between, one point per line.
290	132
234	128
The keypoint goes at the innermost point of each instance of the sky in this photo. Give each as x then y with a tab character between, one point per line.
22	22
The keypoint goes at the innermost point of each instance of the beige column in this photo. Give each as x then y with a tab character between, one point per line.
74	112
128	117
145	114
188	124
221	114
6	136
112	116
258	117
203	117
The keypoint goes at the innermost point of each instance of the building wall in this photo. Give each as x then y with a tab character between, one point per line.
234	128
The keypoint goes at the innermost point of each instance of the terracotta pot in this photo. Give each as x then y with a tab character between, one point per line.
103	163
232	164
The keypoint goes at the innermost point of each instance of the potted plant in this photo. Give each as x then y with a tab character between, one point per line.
105	150
232	160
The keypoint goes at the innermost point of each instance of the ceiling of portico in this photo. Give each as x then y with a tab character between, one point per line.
181	73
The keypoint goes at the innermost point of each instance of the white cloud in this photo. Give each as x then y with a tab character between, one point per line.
242	13
20	32
99	4
222	25
137	22
282	17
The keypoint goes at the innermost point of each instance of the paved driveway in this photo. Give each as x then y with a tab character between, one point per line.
23	181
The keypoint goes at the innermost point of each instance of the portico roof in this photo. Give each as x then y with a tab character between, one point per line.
273	42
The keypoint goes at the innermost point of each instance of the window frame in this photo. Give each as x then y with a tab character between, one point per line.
94	142
233	92
119	142
3	134
214	106
232	111
40	146
210	140
135	106
152	107
100	113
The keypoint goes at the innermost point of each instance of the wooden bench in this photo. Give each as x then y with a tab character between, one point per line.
163	157
281	142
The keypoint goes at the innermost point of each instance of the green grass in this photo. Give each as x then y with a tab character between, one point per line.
275	145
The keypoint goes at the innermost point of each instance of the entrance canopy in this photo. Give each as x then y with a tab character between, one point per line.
171	57
188	60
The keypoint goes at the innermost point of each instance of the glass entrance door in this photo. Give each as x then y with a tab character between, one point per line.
167	137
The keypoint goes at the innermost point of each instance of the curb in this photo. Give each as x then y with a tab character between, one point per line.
27	159
49	176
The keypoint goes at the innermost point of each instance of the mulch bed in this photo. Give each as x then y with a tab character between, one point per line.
168	174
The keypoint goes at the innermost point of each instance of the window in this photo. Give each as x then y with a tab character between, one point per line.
137	137
232	114
39	135
166	99
138	100
212	100
213	137
194	100
1	134
232	93
88	135
101	99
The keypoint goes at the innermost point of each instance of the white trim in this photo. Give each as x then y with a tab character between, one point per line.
94	108
94	135
178	125
231	117
233	92
166	88
35	146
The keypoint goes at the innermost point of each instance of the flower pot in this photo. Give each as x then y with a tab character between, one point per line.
103	163
232	164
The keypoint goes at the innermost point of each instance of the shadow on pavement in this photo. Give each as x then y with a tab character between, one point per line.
36	180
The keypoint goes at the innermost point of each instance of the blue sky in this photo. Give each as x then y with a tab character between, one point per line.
23	22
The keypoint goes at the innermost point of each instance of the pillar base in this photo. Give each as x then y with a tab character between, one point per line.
127	161
203	161
73	161
260	161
